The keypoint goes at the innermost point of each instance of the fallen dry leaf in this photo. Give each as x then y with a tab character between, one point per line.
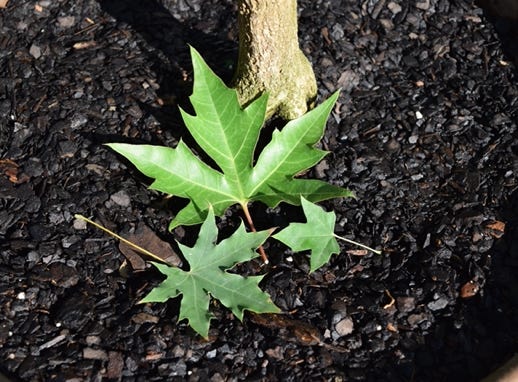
325	34
469	289
144	237
391	328
3	3
144	318
9	168
153	356
135	260
302	332
299	331
115	365
355	269
496	229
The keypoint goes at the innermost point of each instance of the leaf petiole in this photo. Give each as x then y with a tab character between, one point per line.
250	222
358	244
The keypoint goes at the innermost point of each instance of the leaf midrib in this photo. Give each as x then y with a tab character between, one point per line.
234	170
189	181
287	155
214	286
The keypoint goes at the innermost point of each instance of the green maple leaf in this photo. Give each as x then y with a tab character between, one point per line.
207	277
229	134
317	235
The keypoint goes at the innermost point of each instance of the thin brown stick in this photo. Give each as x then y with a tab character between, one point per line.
125	241
252	227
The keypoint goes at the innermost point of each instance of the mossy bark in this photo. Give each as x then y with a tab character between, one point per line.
270	59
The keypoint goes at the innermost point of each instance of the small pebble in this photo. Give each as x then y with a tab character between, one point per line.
66	21
89	353
79	224
320	168
69	241
121	198
35	51
423	5
345	327
394	8
415	319
93	340
405	304
438	304
327	333
337	32
387	24
392	146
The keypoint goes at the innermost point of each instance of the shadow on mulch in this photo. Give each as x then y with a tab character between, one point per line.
172	63
506	29
171	60
488	333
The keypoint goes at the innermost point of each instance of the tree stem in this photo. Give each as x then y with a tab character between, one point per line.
270	59
250	222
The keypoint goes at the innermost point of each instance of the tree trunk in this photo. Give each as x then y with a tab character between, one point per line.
506	373
270	59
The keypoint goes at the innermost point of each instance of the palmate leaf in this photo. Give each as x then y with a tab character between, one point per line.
317	235
207	277
229	134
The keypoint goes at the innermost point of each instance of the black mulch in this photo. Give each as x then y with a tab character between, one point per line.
425	133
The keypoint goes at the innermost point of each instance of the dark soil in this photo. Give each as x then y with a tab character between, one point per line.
425	133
